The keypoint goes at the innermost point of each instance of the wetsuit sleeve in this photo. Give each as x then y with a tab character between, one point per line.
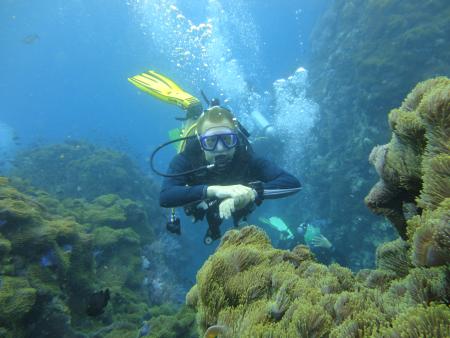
175	191
272	176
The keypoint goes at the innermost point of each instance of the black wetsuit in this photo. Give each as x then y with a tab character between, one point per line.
245	167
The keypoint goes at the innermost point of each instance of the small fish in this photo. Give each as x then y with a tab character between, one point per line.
31	38
97	303
3	222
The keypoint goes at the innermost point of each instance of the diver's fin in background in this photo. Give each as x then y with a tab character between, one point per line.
168	91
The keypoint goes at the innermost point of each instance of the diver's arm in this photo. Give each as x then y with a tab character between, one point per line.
175	192
272	176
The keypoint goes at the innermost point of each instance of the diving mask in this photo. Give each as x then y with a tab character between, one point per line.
209	142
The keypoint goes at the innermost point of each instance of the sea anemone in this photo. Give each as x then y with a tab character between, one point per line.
393	257
421	321
431	240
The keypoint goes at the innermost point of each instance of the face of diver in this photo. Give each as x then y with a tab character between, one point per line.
222	148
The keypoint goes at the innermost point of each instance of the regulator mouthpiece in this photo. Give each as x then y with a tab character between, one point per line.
221	161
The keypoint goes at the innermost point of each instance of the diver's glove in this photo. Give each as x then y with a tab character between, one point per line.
226	208
320	241
241	194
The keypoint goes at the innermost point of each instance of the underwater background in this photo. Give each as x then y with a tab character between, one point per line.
357	96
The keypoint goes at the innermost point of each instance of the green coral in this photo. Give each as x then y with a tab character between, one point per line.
17	298
109	210
79	169
173	325
29	229
106	237
17	207
119	262
40	237
5	246
106	214
53	295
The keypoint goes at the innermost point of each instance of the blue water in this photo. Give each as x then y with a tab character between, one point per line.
71	81
65	65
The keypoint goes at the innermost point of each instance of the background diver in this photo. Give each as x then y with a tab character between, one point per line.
304	233
215	173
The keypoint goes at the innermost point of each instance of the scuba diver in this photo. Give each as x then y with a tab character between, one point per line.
325	251
215	174
304	233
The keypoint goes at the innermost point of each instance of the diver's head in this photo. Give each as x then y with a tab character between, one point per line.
218	135
301	228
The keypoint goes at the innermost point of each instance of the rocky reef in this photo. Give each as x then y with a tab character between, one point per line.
48	263
80	169
366	57
62	249
55	254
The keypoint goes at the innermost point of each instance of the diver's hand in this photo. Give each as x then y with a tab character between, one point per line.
320	241
241	194
226	208
241	201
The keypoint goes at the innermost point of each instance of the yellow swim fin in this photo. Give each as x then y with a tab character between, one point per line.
168	91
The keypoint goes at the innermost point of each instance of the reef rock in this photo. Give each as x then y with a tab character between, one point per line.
79	169
366	56
52	259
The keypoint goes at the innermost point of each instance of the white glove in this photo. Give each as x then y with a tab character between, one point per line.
226	208
241	194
